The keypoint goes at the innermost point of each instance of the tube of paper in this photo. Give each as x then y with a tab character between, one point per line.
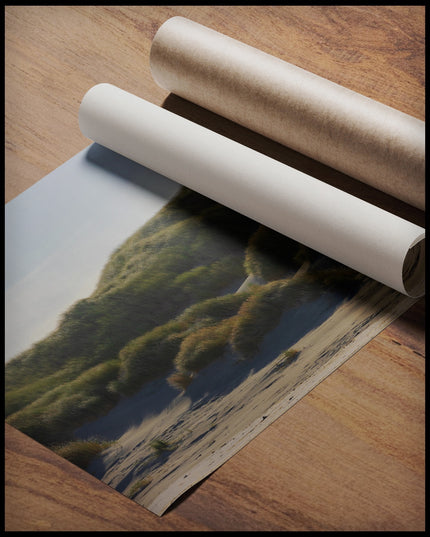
365	139
347	229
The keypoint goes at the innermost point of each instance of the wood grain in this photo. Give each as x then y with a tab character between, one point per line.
350	455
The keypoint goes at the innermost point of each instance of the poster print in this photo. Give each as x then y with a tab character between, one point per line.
161	330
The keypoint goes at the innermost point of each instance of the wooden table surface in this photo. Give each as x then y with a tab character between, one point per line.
348	456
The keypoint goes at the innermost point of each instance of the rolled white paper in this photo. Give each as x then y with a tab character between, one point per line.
361	137
366	238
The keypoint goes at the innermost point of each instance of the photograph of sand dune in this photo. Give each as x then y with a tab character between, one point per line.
185	328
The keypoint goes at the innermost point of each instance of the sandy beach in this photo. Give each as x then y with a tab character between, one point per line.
231	401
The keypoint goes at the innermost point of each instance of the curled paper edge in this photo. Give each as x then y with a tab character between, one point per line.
361	236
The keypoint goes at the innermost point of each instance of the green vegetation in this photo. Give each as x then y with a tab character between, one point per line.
273	256
137	487
22	396
203	346
161	446
81	452
180	381
287	358
149	356
52	417
261	312
165	306
213	310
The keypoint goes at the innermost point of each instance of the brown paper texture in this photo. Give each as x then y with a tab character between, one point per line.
363	138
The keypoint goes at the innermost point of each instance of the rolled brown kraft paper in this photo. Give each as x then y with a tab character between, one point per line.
365	139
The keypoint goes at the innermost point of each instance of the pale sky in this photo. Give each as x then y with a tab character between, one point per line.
61	231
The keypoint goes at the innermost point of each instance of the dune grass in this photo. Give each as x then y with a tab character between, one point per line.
165	307
137	487
82	452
